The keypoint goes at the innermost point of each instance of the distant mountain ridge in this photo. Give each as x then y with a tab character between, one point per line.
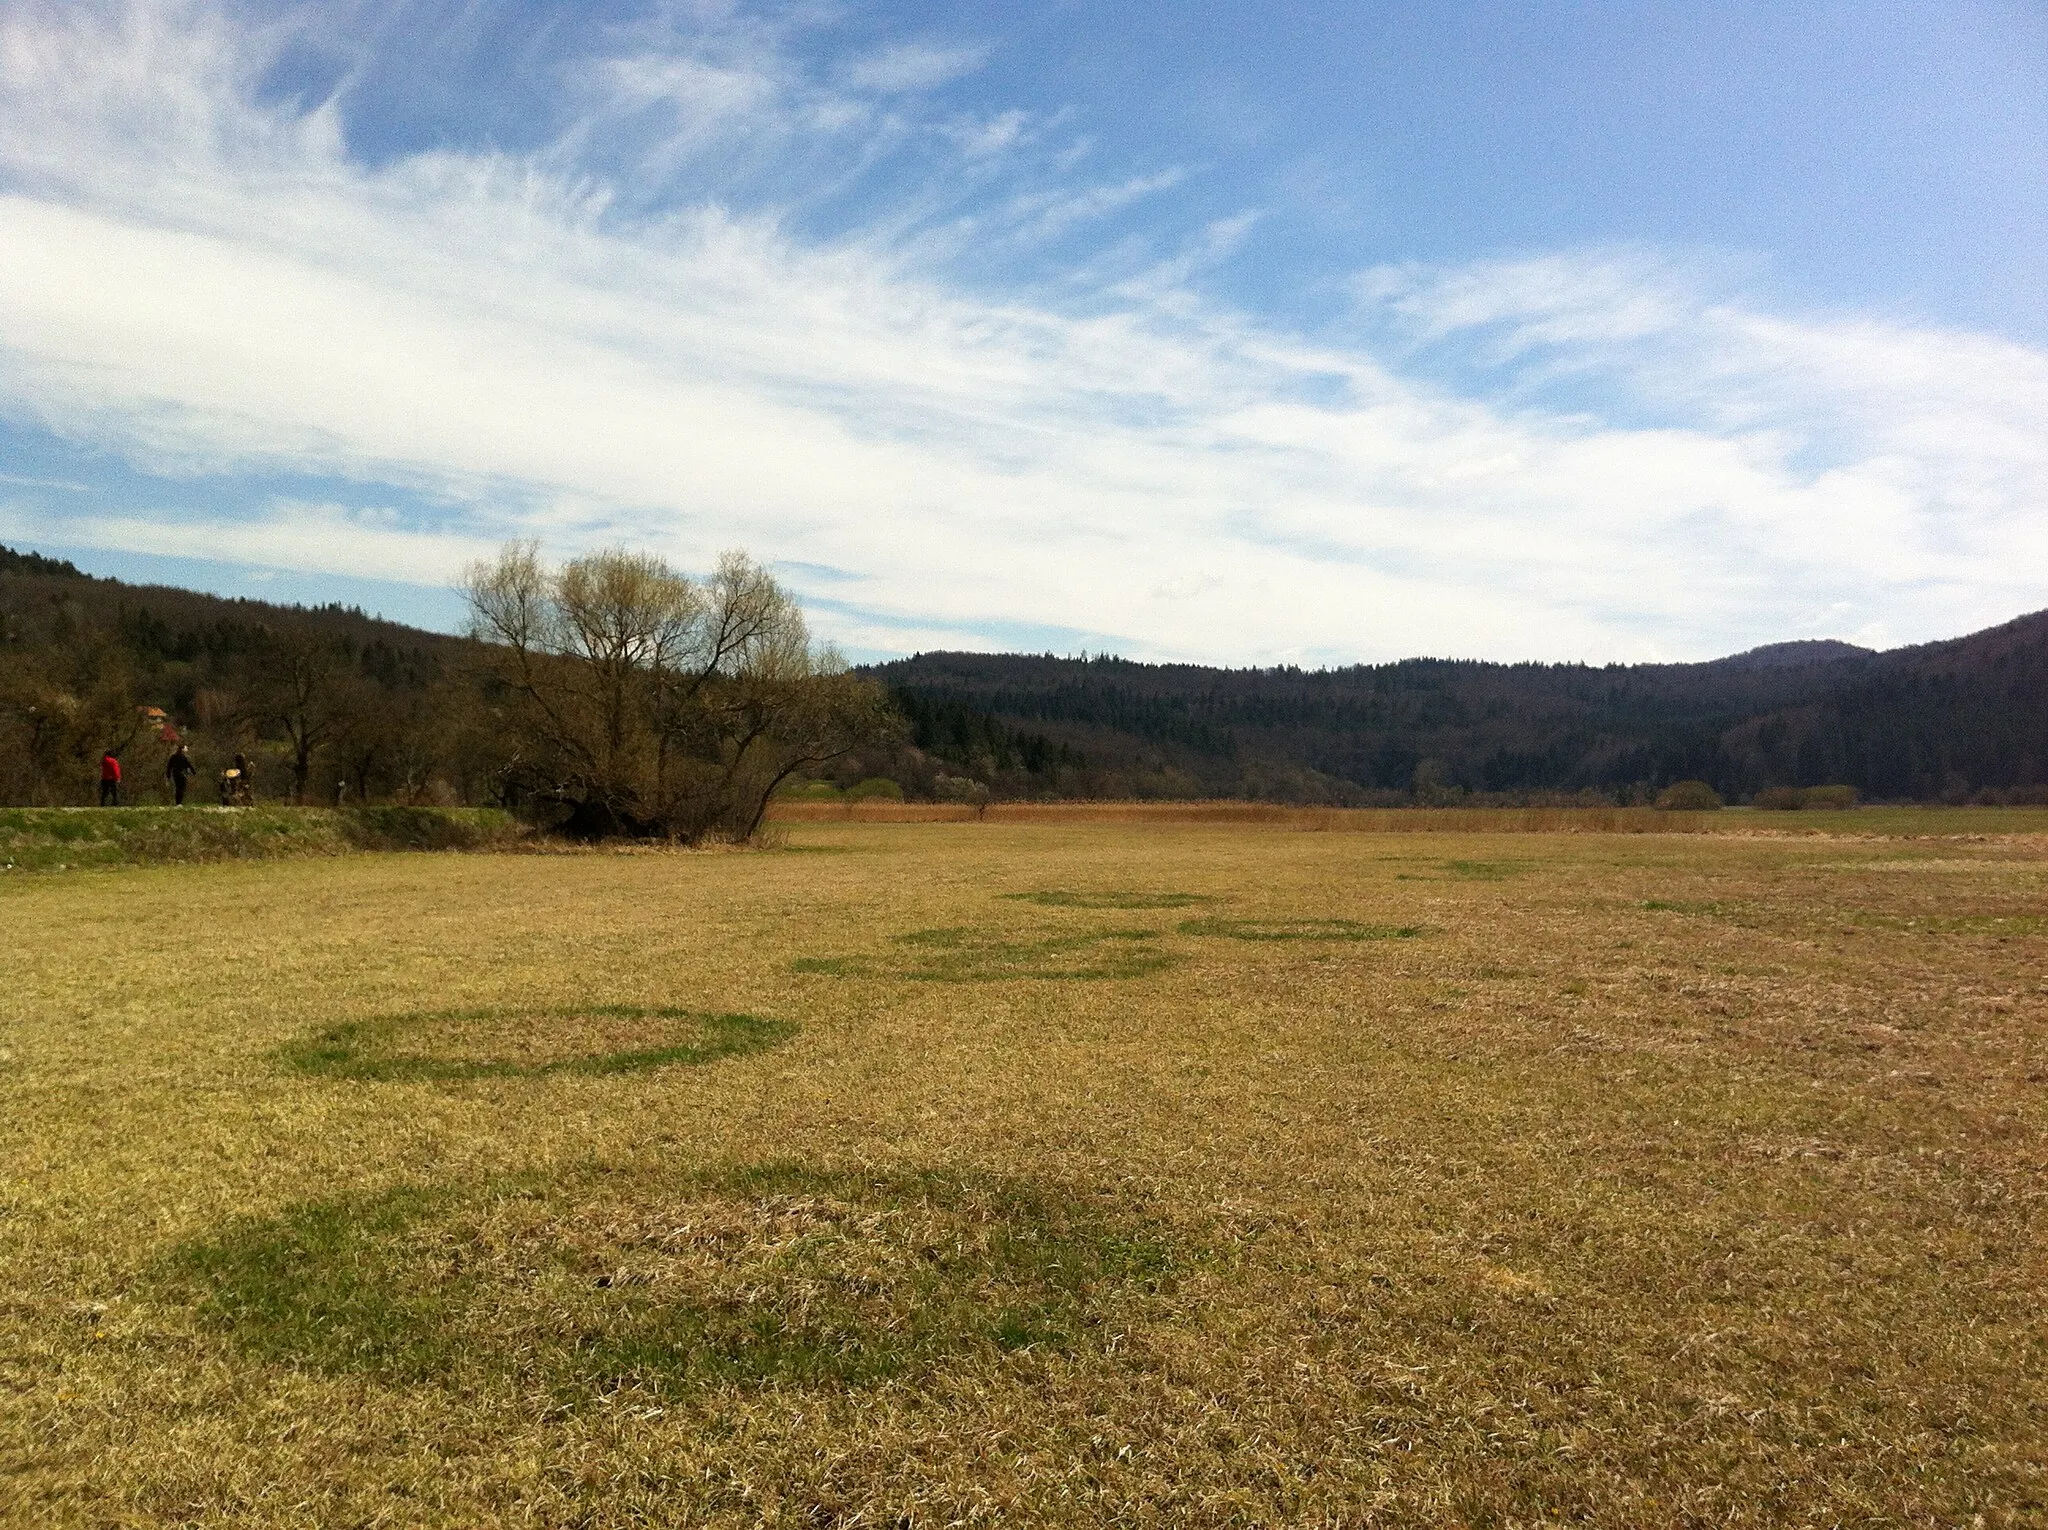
1795	654
1953	719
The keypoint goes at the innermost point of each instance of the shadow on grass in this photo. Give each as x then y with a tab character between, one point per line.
1298	929
594	1282
1056	898
1468	871
518	1043
965	955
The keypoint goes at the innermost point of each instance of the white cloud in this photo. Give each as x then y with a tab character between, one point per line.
209	285
287	534
911	66
979	138
703	95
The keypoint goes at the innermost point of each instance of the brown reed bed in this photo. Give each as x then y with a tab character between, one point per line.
1907	821
1533	820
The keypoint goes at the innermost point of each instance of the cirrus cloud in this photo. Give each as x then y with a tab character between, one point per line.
1585	454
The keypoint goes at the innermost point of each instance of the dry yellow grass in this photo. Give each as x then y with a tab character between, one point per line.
1656	1180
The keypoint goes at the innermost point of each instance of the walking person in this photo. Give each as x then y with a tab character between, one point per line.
178	770
110	780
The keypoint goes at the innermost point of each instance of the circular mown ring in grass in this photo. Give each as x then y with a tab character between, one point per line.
596	1282
1060	898
1298	929
966	955
459	1044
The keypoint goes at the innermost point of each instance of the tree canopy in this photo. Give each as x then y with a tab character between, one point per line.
644	702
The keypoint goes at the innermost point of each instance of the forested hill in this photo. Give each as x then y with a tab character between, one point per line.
396	712
1953	719
315	696
40	596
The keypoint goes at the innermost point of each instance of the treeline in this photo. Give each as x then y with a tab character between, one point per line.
1965	720
330	703
1015	761
324	703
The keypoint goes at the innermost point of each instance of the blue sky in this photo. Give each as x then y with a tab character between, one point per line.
1231	332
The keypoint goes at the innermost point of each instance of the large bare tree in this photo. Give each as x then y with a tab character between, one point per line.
303	685
649	703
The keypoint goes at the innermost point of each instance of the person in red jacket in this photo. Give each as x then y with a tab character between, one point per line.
110	781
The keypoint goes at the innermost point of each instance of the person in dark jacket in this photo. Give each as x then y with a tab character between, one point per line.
178	770
110	780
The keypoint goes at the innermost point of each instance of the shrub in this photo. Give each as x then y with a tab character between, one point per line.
809	791
875	789
1688	797
396	827
1787	799
960	789
1780	799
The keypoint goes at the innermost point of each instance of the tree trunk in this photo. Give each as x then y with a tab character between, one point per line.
593	820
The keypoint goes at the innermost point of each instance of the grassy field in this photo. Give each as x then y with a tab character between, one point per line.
1130	1172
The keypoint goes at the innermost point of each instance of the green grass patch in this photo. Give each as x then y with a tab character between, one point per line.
1467	871
968	955
459	1044
1058	898
598	1282
1484	871
1298	929
1911	822
312	1287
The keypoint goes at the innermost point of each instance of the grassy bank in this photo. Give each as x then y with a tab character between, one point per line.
50	839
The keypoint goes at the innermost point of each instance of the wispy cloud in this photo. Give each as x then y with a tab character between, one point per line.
206	282
22	481
911	66
282	534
